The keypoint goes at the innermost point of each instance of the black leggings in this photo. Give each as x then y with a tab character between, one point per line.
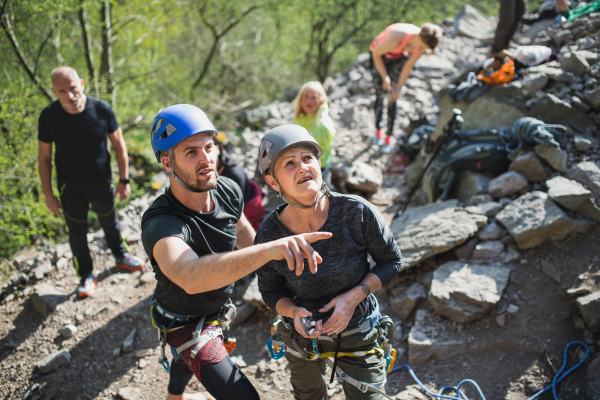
223	380
511	12
393	67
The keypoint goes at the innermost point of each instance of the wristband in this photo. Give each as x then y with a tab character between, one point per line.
124	181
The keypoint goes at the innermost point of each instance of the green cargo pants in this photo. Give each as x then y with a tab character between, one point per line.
308	378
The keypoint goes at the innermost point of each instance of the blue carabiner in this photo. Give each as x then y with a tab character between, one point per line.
166	367
274	356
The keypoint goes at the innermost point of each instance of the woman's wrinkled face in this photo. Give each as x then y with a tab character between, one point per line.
310	101
298	173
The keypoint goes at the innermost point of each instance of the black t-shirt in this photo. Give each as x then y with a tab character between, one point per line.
208	233
81	155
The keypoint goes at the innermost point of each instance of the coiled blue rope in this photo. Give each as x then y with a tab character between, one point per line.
461	396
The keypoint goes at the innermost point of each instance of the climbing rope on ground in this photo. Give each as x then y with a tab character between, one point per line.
531	131
560	375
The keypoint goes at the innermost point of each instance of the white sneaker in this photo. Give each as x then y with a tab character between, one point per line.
387	149
378	142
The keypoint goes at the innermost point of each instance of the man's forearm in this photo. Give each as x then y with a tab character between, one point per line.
285	307
45	171
122	161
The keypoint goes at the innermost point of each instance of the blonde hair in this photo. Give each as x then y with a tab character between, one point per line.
312	85
431	35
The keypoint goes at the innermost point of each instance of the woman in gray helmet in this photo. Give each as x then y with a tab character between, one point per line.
338	296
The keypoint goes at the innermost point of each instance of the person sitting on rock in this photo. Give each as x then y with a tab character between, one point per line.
228	167
312	112
393	55
340	291
189	234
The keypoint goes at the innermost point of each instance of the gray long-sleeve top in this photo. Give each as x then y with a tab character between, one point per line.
358	228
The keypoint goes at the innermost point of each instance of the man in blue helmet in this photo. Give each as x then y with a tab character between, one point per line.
189	234
79	125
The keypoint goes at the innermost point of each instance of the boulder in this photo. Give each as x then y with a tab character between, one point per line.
534	218
554	156
593	95
466	292
553	110
589	306
593	376
488	250
357	178
575	63
572	195
533	82
54	361
530	166
588	174
506	184
422	232
491	208
45	298
491	231
406	298
582	143
471	184
471	24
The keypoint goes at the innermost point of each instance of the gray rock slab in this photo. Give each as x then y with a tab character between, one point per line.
582	143
554	156
491	208
471	184
530	166
588	174
406	298
533	82
127	345
54	361
422	232
575	63
506	184
491	231
593	375
488	250
572	195
68	330
465	252
465	292
472	24
129	393
593	95
46	297
534	218
589	306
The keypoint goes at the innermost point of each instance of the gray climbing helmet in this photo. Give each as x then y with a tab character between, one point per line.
278	140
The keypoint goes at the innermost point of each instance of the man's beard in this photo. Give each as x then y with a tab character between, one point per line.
193	181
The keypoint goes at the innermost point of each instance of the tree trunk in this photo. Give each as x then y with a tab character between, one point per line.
87	45
106	69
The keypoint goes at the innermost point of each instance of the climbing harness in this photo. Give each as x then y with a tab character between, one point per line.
277	348
199	339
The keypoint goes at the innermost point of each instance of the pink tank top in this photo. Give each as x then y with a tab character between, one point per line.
394	53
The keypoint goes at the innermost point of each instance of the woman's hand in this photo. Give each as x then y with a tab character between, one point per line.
387	84
343	306
300	313
394	95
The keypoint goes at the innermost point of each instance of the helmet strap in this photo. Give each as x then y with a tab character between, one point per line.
179	181
282	196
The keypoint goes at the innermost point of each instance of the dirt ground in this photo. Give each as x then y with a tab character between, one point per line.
513	361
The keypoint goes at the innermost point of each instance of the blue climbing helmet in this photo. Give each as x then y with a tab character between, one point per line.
176	123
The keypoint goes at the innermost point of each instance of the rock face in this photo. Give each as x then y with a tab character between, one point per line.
471	24
54	361
593	376
588	174
422	232
556	157
530	166
572	195
466	292
406	298
45	298
507	184
590	309
534	218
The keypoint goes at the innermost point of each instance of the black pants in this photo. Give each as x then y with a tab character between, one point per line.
511	12
76	201
393	67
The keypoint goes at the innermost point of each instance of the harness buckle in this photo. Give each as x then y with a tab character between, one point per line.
362	386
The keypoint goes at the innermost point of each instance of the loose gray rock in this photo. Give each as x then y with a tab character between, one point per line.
62	263
127	345
551	270
512	309
45	298
506	184
358	177
572	195
252	294
593	376
243	313
147	277
481	198
593	96
471	184
54	361
491	208
466	292
488	250
406	298
465	252
588	174
530	166
575	63
68	330
582	143
144	353
129	393
512	255
556	157
41	270
422	232
553	110
562	37
589	306
471	24
534	218
533	82
491	231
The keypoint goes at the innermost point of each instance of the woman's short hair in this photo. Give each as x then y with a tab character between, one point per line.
431	35
312	85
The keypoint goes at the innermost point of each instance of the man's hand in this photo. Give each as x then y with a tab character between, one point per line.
296	248
123	190
53	204
343	306
300	313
